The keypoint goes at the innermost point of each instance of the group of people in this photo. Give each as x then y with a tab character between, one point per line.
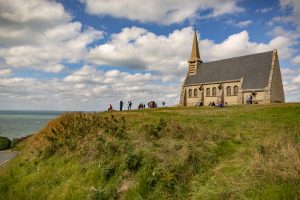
218	105
151	104
129	105
141	106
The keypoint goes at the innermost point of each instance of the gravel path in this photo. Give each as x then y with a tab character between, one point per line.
6	156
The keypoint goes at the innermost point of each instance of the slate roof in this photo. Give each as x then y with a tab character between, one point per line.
255	69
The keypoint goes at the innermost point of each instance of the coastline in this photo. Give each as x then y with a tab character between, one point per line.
14	123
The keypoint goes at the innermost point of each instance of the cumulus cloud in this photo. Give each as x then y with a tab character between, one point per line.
163	12
240	24
87	88
296	79
244	23
40	35
240	44
23	22
296	60
295	6
264	10
291	83
291	15
5	72
140	49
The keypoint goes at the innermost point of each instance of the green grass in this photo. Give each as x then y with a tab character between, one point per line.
238	152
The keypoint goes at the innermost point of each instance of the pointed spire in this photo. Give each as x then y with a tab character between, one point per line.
195	55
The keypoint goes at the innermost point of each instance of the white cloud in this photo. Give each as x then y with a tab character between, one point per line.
86	89
240	24
264	10
295	6
281	20
296	79
140	49
280	31
32	11
244	23
240	44
296	60
287	71
24	22
291	83
291	15
162	12
5	72
40	35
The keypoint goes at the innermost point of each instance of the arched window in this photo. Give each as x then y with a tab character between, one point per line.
207	92
195	93
228	91
214	92
235	90
190	93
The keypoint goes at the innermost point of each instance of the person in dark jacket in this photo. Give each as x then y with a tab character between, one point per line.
121	105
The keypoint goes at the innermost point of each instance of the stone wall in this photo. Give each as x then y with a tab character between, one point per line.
210	98
259	98
229	99
276	93
191	100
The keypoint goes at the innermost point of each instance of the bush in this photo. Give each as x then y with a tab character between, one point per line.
108	172
155	130
133	162
16	141
4	143
115	127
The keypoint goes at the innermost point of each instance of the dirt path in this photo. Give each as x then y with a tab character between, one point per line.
6	156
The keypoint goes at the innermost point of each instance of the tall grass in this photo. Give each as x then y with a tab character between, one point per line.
237	152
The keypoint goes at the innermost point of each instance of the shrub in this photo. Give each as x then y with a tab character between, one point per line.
114	126
133	162
108	172
4	143
155	130
14	142
17	140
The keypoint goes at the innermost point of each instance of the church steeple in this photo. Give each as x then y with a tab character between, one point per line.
195	59
195	55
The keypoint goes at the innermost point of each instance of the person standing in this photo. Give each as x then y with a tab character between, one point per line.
121	105
250	99
110	107
130	104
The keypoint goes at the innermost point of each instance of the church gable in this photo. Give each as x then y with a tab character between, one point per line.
276	92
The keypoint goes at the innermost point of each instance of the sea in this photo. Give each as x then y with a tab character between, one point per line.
16	123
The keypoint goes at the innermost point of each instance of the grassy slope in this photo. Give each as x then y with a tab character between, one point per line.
239	152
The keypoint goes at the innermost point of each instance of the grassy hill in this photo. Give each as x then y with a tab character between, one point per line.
238	152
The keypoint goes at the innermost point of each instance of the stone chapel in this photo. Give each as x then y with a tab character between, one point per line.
233	80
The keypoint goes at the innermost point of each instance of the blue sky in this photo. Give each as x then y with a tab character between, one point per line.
86	54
